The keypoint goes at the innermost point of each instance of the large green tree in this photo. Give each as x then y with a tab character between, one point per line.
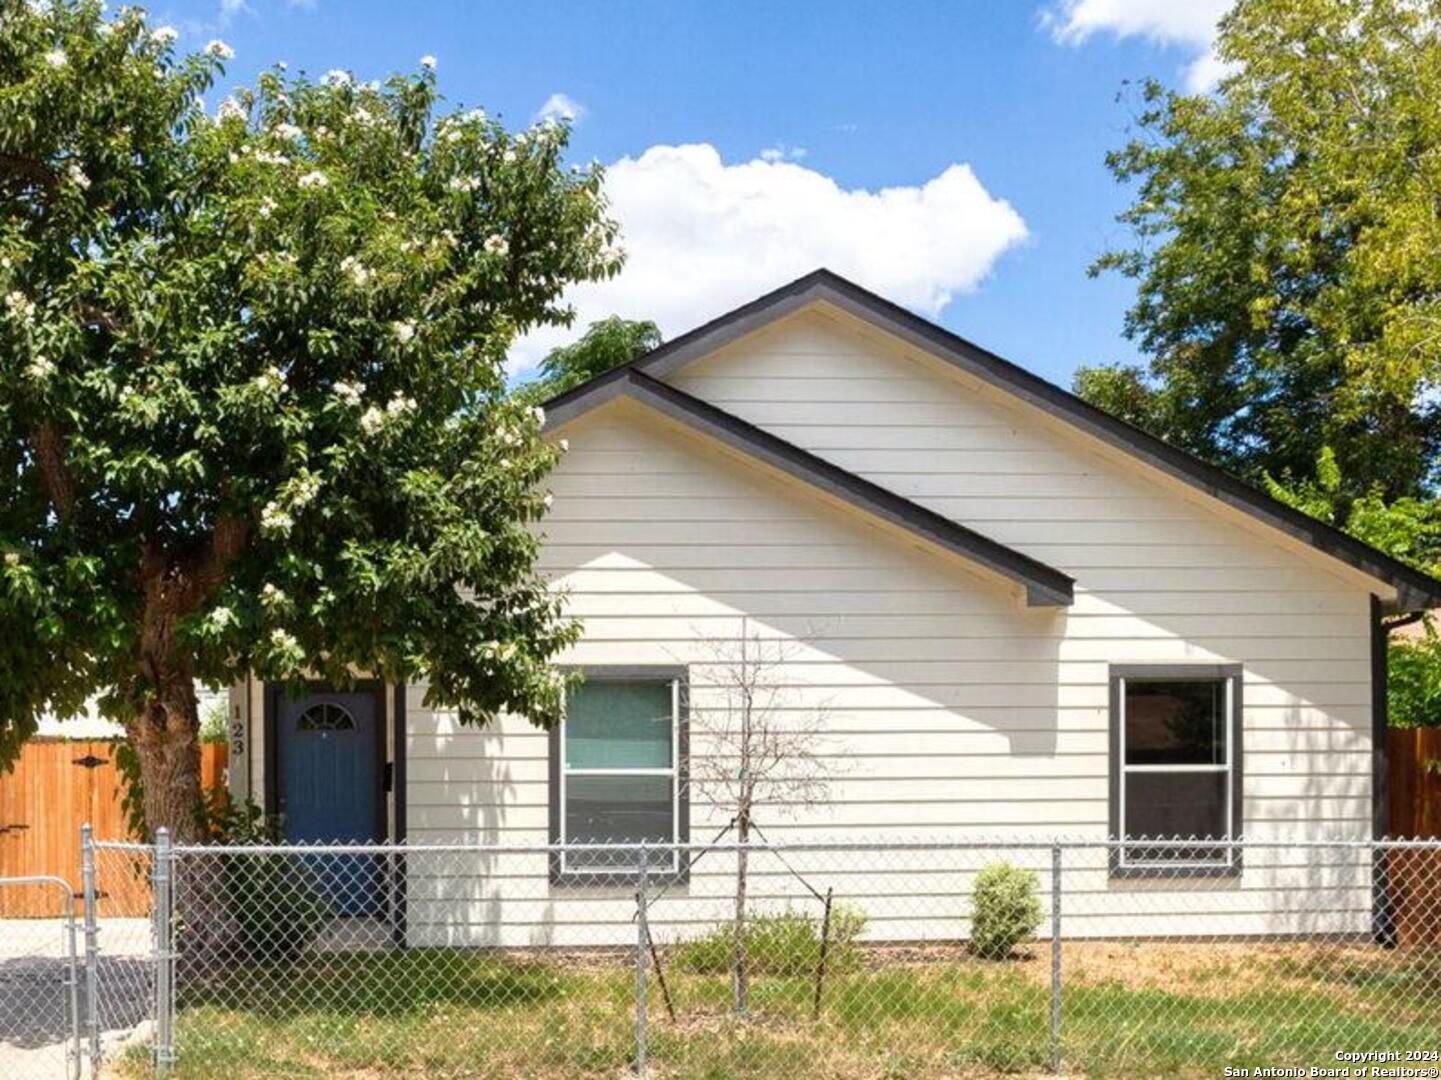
253	413
606	343
1288	249
1408	529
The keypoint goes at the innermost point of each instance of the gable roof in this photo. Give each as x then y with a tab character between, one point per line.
1045	586
1415	590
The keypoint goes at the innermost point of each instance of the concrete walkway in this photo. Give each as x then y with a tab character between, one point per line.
36	1032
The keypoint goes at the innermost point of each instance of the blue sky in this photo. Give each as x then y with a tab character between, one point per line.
949	155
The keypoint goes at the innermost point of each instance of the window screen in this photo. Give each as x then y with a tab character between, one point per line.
1178	765
618	774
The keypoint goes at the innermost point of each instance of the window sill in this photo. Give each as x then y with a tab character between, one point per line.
608	877
600	879
1160	872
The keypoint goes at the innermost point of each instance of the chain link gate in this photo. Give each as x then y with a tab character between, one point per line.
39	981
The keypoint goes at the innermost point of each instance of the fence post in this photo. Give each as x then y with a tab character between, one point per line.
163	880
92	947
642	954
1056	957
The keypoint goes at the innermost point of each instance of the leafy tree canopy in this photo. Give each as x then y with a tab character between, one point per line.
607	343
253	412
1408	529
1288	249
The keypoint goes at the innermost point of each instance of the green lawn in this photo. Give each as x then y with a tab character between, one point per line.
1146	1009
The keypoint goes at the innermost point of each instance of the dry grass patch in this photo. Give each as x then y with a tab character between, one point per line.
1148	1008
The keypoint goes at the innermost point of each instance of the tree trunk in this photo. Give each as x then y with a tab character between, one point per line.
166	729
165	735
741	966
166	741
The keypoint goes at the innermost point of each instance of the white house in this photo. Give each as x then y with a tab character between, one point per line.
1013	615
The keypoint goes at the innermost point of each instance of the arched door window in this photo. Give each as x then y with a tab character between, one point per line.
326	716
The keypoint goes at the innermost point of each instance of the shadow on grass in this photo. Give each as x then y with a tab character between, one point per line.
379	984
1418	978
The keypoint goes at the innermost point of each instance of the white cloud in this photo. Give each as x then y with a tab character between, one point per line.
703	237
783	152
1188	24
560	107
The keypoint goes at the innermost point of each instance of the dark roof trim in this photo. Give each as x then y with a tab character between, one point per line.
1045	586
1415	590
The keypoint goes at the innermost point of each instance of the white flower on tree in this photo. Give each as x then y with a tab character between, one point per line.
356	269
221	617
496	245
349	393
164	35
314	179
371	421
428	62
219	49
19	305
404	331
56	58
275	520
270	381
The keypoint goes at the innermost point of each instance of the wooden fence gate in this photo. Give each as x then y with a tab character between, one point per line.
1415	876
58	785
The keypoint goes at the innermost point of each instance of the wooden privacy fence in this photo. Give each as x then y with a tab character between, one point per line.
1415	876
56	786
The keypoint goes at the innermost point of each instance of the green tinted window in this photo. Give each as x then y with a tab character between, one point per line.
619	725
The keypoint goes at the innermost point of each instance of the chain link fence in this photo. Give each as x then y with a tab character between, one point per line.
766	960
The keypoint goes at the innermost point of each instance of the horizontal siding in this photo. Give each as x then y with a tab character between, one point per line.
944	708
921	895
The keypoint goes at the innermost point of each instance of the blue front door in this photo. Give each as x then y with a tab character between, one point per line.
329	750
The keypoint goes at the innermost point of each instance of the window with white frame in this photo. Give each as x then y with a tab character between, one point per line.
1176	765
618	771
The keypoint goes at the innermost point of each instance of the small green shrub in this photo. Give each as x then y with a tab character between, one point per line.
1006	910
248	909
215	722
784	943
276	905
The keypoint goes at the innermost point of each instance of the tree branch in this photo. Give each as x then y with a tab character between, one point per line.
29	170
94	315
49	447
